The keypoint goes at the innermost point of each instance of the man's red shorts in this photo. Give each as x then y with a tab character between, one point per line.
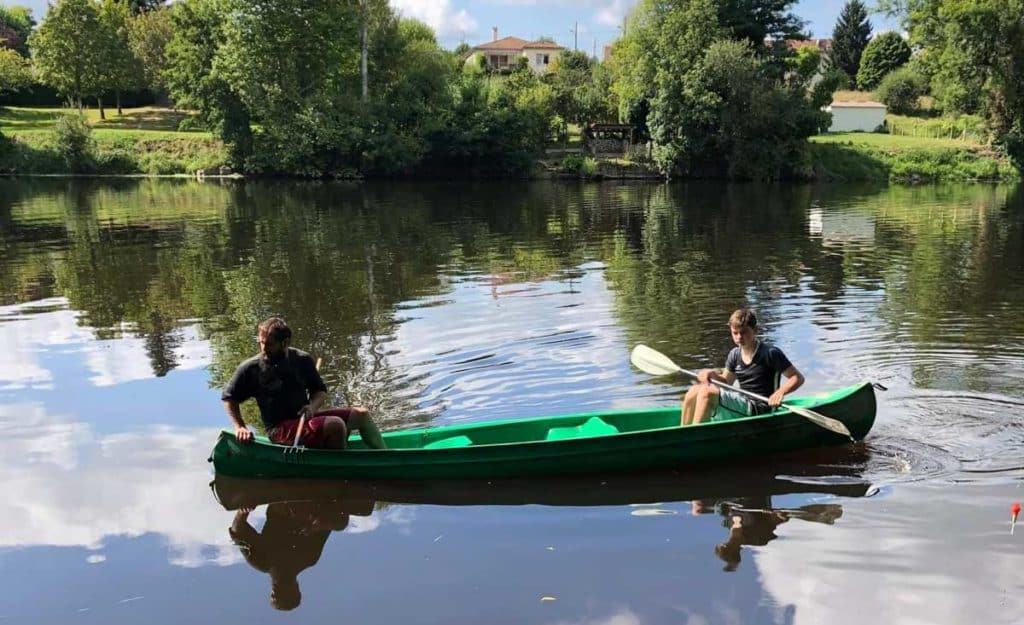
312	432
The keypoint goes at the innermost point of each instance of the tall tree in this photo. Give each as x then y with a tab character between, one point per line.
850	37
68	49
148	36
15	71
121	70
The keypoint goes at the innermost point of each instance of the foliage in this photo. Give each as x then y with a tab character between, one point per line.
15	71
849	38
850	160
16	25
192	80
73	141
121	70
901	90
718	105
580	165
69	48
885	53
148	35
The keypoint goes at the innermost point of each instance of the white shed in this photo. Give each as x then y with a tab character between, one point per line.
854	116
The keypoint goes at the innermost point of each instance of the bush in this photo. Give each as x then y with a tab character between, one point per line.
583	166
901	91
73	141
885	53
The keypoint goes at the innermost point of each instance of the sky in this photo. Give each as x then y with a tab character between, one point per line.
587	24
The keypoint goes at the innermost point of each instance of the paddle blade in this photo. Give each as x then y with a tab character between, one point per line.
826	422
652	361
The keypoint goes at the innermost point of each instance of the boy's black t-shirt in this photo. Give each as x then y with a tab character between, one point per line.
280	389
762	375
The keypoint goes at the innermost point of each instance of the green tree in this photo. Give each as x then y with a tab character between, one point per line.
849	38
121	70
883	54
15	71
148	35
16	25
194	82
68	49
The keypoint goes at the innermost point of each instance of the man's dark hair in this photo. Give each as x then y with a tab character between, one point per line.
275	329
743	317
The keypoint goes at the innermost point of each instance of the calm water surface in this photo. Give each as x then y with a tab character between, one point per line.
124	307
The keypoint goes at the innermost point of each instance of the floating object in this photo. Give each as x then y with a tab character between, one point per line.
1014	511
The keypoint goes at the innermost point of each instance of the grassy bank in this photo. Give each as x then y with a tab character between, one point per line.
141	141
868	156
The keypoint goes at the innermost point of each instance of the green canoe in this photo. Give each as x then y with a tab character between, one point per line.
605	442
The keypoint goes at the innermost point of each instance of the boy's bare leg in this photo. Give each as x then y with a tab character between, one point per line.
707	401
689	400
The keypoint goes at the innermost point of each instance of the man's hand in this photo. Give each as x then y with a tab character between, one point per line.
776	399
243	434
306	411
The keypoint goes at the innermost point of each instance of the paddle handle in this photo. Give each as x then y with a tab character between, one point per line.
302	419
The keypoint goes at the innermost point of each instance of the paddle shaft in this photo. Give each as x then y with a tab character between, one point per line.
729	387
302	419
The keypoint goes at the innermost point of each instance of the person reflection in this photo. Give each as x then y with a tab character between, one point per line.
751	525
292	540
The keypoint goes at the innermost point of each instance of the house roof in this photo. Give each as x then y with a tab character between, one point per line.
546	45
862	104
822	44
514	44
505	43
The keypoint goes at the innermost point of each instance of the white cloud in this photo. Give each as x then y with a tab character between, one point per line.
439	15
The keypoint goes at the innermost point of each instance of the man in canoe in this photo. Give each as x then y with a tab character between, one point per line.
288	389
758	367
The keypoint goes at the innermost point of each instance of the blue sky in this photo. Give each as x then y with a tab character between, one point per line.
598	20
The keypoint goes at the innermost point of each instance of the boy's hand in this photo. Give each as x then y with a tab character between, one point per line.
706	375
776	399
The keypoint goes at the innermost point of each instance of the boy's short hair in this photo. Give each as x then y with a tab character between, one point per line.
275	329
743	317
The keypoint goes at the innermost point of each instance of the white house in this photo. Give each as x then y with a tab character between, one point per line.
503	53
856	116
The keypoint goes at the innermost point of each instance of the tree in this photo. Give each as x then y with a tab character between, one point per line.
148	36
850	37
16	25
15	71
883	54
68	49
121	70
193	80
901	89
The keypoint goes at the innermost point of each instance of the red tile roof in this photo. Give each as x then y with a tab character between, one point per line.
505	43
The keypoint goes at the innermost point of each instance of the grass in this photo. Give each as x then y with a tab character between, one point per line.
145	121
891	142
142	140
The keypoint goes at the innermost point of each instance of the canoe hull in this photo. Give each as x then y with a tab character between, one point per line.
645	450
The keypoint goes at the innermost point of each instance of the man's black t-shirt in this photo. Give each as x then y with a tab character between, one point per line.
762	375
280	388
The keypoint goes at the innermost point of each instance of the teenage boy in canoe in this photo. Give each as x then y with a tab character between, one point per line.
288	389
758	367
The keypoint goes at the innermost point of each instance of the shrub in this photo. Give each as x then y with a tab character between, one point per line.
901	90
73	141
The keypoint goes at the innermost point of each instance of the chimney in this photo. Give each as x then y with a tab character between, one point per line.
494	33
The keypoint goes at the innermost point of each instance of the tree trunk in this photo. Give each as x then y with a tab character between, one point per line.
117	94
99	104
365	52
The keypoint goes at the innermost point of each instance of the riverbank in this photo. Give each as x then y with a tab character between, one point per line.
154	141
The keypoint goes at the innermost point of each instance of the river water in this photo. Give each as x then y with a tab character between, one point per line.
124	306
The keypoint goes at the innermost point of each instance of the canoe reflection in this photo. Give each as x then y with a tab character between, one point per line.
301	514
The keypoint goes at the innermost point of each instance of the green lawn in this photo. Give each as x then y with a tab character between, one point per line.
142	123
894	142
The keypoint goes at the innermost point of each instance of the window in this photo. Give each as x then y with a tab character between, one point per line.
540	59
545	59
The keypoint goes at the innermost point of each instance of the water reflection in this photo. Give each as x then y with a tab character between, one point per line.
292	540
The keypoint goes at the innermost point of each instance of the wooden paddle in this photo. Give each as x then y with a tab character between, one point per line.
654	362
302	420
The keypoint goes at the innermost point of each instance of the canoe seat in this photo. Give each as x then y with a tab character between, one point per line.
594	426
450	442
